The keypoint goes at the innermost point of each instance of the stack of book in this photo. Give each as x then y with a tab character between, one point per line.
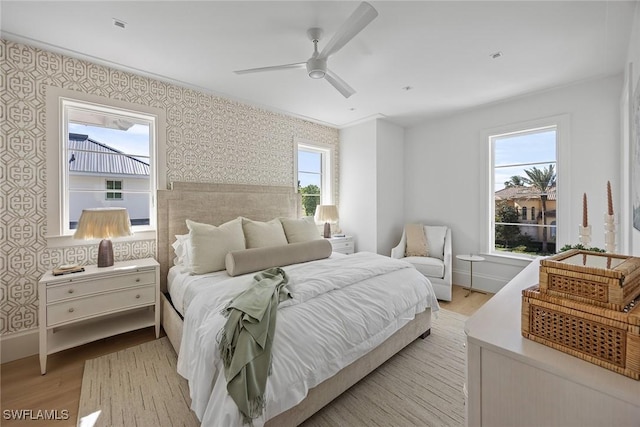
67	269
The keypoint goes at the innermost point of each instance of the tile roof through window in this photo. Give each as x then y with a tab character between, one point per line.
522	192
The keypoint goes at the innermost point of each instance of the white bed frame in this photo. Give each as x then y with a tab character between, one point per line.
219	203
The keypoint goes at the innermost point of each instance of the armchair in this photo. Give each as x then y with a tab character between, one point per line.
437	265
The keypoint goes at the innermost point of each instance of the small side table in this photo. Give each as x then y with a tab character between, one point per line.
471	259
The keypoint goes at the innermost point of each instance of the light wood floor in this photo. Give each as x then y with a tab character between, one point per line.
23	388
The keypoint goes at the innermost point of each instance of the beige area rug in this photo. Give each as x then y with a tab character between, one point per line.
420	386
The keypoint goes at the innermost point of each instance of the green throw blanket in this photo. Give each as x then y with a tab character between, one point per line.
245	340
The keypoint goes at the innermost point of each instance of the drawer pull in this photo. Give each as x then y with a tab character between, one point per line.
70	291
71	310
138	296
137	280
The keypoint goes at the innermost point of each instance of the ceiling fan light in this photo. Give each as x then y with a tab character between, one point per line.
316	74
316	67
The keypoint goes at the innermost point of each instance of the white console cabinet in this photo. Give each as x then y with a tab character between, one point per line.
344	244
512	381
78	308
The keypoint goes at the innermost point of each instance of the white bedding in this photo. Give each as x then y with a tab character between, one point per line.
183	286
341	308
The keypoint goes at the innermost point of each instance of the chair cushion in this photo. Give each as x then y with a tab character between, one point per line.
430	267
435	240
416	240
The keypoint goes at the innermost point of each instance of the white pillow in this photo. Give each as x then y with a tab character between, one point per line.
209	244
435	240
262	234
182	250
300	230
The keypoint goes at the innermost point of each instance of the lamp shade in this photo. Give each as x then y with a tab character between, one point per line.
326	214
103	223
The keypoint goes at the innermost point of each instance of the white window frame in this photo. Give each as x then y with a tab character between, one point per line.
563	188
326	169
58	232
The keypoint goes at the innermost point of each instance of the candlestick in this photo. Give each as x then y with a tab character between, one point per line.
610	233
585	221
609	199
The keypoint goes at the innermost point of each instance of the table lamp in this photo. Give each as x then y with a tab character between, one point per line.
103	223
327	214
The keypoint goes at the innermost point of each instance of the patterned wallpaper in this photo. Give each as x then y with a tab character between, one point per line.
209	139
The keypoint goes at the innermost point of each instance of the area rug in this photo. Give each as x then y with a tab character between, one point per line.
420	386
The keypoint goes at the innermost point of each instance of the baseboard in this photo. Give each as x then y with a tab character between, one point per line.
17	345
481	282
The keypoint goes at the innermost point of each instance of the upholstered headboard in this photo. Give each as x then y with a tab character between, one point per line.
215	204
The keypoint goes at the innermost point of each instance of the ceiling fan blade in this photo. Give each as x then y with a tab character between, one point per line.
339	84
360	18
272	68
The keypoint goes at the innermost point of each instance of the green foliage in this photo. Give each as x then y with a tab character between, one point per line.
514	181
581	247
541	179
506	234
310	198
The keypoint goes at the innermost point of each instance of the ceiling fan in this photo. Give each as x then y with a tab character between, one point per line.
317	65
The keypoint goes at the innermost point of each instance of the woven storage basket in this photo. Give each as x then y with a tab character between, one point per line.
607	338
606	280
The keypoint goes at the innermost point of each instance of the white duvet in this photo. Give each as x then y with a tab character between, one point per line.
341	308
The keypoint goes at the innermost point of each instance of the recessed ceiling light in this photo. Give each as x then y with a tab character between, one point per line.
119	23
496	55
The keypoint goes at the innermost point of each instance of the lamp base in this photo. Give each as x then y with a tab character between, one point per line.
327	230
105	253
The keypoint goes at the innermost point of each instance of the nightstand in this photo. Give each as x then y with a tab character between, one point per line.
97	303
344	245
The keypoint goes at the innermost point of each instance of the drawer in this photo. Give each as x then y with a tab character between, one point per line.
79	288
66	311
346	251
340	246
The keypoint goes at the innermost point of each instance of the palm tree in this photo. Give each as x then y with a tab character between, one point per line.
514	181
542	180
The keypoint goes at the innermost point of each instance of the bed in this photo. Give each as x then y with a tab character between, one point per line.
219	203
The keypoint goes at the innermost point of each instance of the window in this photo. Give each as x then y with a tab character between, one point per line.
107	156
524	170
114	185
313	175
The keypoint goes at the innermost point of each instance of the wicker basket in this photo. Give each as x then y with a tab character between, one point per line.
604	337
606	280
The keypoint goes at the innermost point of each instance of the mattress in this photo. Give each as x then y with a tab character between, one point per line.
341	309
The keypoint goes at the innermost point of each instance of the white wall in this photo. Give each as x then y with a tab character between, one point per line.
358	184
390	185
444	170
137	204
372	184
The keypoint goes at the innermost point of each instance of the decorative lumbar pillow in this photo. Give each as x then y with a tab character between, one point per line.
262	234
416	240
209	244
435	240
300	230
256	259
